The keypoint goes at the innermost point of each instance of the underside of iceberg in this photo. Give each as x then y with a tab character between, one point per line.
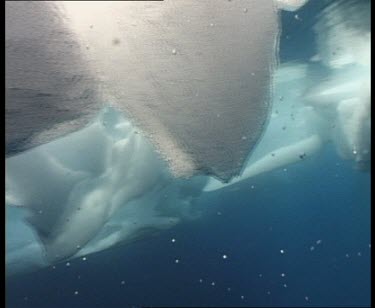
116	126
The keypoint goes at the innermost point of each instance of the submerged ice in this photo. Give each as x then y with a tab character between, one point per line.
159	63
96	187
109	182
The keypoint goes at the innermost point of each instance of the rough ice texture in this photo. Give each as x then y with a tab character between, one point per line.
49	90
193	75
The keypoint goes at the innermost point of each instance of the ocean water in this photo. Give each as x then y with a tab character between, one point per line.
296	236
323	200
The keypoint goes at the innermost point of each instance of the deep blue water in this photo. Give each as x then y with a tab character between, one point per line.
322	199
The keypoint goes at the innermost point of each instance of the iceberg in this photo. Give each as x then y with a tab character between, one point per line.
97	177
327	100
181	73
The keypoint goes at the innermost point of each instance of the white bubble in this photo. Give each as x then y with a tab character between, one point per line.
252	186
229	289
176	261
75	292
122	282
173	240
201	280
67	264
285	285
84	259
359	254
245	10
225	256
212	283
306	298
260	275
243	137
312	248
174	51
282	275
318	242
211	24
269	292
347	255
242	297
282	251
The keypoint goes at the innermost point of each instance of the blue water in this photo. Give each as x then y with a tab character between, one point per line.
322	199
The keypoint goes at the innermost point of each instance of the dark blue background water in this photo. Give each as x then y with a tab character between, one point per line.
322	199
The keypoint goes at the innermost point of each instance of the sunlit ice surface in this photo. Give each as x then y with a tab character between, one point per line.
107	183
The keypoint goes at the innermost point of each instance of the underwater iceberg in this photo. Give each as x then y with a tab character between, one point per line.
115	127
